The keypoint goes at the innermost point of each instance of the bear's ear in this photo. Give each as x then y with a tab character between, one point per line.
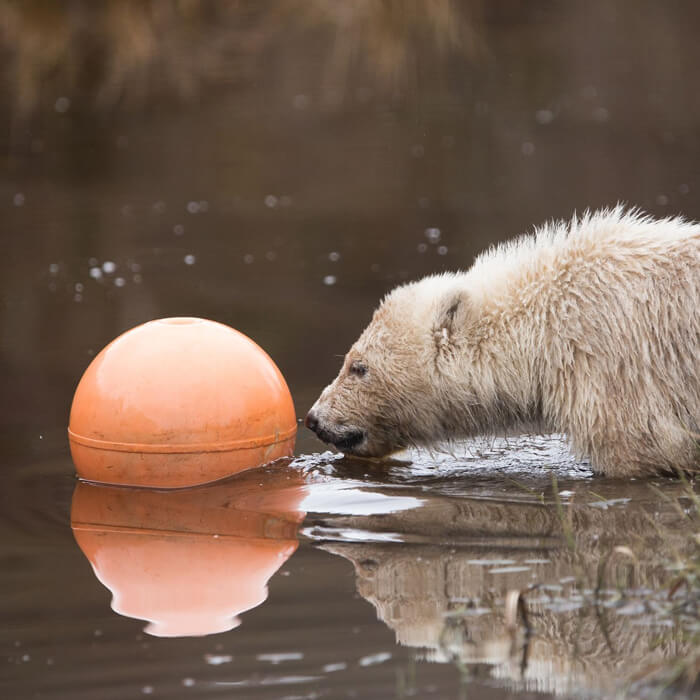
451	317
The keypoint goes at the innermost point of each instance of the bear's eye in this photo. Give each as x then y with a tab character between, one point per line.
358	369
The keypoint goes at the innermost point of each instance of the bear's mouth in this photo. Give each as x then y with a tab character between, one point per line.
350	440
344	441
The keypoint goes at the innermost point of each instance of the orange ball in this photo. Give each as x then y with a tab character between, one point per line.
179	402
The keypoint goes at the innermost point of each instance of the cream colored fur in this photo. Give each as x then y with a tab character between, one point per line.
589	327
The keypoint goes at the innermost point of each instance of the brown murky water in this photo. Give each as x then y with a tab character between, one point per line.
278	167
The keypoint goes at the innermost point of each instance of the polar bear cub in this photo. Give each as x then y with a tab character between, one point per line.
589	327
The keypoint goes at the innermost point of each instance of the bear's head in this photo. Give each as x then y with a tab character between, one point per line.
392	390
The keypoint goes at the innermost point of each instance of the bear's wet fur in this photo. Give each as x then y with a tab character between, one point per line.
589	327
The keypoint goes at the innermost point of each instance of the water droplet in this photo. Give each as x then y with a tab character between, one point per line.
544	116
662	200
18	200
190	259
193	207
442	250
271	255
248	259
203	205
683	189
53	268
137	279
147	690
433	234
135	267
300	101
188	682
92	262
77	298
601	114
78	286
95	273
329	280
527	148
422	247
417	151
26	657
108	267
62	105
334	256
178	229
270	201
119	281
159	206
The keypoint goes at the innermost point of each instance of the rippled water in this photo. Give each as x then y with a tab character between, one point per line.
318	577
279	167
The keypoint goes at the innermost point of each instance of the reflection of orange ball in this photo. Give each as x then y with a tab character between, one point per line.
190	560
179	402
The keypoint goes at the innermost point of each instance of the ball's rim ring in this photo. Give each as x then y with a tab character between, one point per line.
183	448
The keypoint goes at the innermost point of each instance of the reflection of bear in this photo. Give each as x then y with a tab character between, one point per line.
449	599
590	328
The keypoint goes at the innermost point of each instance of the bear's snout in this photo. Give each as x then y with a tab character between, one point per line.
311	422
343	438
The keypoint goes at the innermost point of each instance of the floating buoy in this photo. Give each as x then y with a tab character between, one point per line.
179	402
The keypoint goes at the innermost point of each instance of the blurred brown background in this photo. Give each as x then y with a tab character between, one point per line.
278	166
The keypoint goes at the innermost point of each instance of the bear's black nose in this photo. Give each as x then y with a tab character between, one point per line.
311	422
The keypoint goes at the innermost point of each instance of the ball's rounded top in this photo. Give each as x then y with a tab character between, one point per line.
181	385
180	321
